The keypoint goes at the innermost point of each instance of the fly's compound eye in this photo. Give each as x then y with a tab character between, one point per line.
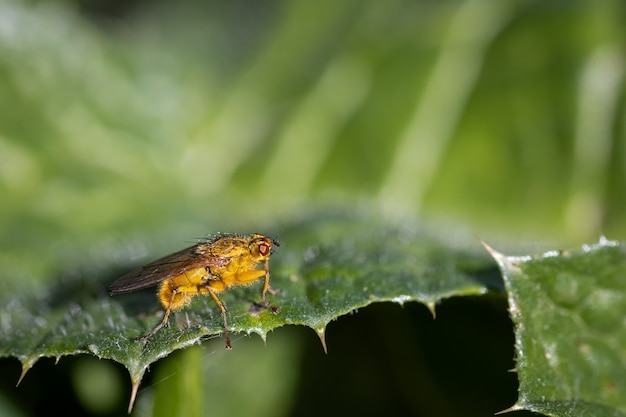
264	249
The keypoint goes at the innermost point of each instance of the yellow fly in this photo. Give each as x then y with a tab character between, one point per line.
206	268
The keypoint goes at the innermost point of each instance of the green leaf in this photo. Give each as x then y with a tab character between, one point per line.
328	265
568	309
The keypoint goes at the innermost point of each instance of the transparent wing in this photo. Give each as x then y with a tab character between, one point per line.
177	263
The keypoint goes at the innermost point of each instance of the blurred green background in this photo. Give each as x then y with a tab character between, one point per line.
129	127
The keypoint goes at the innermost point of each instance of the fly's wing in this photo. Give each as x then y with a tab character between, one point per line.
169	266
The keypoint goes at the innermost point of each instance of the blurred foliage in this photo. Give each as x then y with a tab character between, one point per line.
128	127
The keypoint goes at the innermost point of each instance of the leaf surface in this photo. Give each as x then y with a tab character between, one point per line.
327	266
568	309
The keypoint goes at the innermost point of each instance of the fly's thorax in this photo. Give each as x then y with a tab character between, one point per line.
229	246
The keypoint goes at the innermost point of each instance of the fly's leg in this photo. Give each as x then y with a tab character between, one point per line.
191	291
157	328
166	316
219	303
172	305
266	288
246	277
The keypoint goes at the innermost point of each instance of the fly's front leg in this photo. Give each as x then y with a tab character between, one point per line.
266	288
246	277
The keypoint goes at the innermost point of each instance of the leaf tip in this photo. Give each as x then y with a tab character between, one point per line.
494	253
321	333
26	365
514	407
263	336
135	380
22	375
431	307
133	396
504	261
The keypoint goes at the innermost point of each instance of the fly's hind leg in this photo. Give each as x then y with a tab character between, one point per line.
171	305
157	328
163	322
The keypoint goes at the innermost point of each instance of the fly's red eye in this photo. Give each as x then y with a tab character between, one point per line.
264	249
